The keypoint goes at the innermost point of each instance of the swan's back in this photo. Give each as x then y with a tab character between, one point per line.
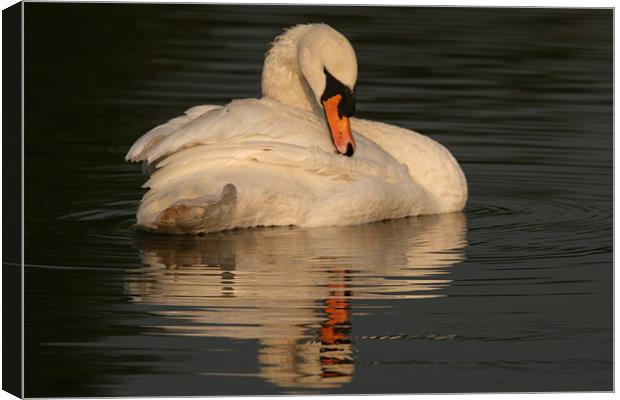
247	164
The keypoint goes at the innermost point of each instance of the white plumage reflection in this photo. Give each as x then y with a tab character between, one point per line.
291	289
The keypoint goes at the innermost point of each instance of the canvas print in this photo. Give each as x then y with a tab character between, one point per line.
261	199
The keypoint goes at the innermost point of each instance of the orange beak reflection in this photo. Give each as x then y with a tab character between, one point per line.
339	127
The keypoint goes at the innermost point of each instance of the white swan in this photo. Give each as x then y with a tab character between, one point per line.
272	161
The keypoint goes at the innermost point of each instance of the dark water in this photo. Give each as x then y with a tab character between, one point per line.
514	294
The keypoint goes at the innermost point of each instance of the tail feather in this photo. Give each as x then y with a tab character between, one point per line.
198	215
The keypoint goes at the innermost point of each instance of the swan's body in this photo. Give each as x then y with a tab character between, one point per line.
271	161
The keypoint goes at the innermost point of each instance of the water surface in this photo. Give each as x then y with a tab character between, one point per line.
513	294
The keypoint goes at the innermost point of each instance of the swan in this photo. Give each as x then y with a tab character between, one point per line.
295	156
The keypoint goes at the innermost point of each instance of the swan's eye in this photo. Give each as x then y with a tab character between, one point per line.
334	87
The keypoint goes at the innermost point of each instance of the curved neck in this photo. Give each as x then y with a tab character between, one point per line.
282	79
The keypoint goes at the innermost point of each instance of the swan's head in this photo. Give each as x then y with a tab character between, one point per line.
328	63
314	67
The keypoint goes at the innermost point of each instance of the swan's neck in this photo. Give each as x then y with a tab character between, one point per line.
282	79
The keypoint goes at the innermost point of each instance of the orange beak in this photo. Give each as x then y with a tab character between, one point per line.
339	127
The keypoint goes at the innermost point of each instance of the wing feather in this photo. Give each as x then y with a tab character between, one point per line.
149	141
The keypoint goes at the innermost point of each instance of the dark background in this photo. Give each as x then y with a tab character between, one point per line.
522	98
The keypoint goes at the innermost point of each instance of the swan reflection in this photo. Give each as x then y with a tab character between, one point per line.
291	288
